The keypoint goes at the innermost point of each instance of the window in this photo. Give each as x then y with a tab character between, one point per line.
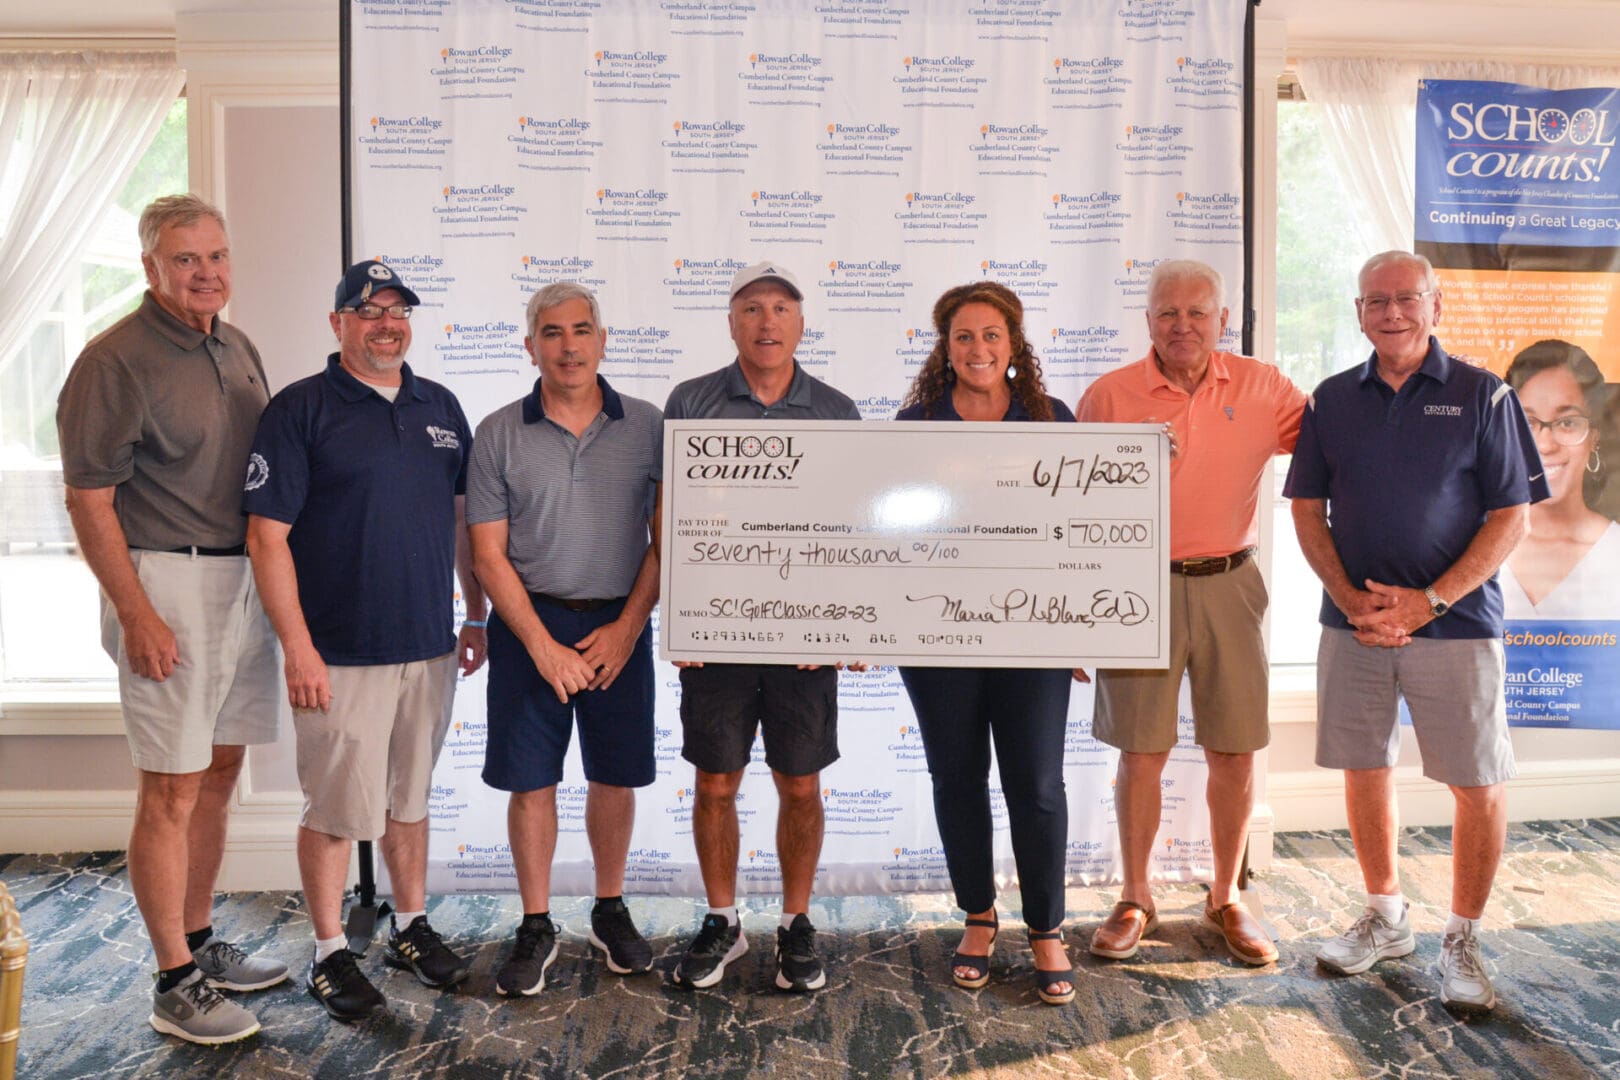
1318	254
40	570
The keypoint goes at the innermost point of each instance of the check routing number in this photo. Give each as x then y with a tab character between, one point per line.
938	544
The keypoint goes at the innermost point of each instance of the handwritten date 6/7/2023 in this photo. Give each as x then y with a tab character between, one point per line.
1080	473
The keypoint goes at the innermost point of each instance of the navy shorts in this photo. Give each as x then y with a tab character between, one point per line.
723	705
529	728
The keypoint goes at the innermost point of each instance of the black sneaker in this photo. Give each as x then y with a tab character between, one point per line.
422	951
525	970
797	967
341	987
613	932
718	943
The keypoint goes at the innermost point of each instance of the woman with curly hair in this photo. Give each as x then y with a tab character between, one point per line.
983	369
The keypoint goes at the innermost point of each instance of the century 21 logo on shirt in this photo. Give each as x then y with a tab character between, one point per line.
741	457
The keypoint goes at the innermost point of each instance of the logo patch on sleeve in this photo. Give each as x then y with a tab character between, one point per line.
258	472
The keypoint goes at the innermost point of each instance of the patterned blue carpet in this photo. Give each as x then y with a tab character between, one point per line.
1181	1009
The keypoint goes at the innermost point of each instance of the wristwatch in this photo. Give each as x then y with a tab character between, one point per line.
1437	606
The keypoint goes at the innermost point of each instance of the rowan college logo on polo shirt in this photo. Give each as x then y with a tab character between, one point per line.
443	438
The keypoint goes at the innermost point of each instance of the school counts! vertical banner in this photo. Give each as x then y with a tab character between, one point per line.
1518	207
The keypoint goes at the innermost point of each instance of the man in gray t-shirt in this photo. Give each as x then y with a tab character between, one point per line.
724	705
155	420
562	514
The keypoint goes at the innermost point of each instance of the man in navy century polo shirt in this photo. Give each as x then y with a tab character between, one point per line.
1411	483
354	497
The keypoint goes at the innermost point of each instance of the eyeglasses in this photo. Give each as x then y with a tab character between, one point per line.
1405	301
370	312
1566	430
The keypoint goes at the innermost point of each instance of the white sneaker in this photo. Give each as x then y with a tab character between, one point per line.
1372	938
1463	982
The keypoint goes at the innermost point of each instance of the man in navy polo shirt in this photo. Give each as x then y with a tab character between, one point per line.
562	510
1412	482
354	497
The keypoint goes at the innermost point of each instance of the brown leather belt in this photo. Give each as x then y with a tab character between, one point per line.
1213	564
574	605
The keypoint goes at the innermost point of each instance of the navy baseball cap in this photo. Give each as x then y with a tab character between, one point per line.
365	278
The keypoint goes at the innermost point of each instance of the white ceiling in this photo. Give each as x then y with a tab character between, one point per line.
125	18
1590	28
1500	28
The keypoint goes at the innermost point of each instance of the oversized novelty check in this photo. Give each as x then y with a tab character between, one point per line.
943	544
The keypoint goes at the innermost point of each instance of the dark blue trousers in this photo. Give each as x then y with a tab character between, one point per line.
1025	711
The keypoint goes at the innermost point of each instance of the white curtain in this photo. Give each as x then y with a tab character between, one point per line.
72	127
1369	107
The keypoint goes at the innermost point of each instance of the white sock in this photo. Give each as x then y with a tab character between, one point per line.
727	913
403	920
1390	907
325	947
1456	924
787	919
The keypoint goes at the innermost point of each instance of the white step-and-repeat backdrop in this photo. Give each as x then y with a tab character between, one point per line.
884	151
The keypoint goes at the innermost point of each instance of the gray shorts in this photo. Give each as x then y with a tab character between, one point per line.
370	756
226	690
1453	690
1215	637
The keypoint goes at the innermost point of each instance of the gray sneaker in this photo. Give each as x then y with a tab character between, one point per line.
1371	939
229	968
1463	982
197	1012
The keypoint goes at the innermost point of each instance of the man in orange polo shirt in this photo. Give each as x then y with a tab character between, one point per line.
1227	416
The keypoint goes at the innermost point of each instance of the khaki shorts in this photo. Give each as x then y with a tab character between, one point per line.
1214	638
1453	689
370	756
226	690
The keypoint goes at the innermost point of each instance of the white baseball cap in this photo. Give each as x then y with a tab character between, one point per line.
765	272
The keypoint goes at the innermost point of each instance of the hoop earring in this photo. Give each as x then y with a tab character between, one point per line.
1594	461
950	373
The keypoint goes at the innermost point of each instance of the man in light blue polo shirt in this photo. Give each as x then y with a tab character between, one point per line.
724	705
562	504
1412	482
354	496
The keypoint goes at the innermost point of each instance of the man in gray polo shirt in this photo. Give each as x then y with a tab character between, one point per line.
155	420
562	503
723	705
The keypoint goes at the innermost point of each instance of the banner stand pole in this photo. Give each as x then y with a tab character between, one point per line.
364	912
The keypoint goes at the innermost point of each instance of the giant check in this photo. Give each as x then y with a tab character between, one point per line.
946	544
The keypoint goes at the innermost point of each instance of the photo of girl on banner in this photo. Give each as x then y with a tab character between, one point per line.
1568	567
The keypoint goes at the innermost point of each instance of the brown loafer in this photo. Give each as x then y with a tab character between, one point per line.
1245	938
1120	933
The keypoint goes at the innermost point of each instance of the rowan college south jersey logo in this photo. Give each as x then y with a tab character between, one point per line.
443	438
